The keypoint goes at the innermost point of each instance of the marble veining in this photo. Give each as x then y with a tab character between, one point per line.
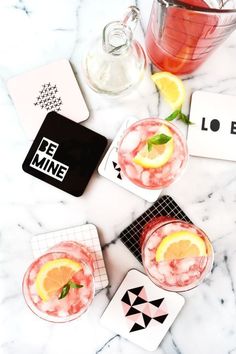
34	33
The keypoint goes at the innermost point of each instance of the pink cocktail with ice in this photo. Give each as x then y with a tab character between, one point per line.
69	300
176	255
155	167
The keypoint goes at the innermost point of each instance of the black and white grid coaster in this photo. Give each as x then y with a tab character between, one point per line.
165	206
87	235
110	169
141	312
51	87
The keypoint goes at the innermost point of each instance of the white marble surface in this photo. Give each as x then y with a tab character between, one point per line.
35	32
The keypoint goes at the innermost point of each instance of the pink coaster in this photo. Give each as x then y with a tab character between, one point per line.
52	87
87	235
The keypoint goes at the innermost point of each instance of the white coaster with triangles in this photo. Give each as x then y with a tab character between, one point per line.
142	312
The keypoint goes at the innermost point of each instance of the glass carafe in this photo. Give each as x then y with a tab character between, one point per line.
116	62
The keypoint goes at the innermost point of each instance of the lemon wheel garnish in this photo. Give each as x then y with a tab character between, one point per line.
159	154
53	275
171	87
181	244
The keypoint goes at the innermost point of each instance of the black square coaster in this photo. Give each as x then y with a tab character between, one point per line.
64	154
165	206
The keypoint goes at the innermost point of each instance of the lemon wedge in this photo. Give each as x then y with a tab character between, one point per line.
159	154
171	87
53	275
181	244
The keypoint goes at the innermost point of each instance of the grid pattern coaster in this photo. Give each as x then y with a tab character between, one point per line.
86	235
165	206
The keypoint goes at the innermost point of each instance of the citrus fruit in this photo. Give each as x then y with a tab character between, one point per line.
159	154
53	275
171	87
181	244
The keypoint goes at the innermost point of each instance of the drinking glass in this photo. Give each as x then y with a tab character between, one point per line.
178	274
135	139
76	302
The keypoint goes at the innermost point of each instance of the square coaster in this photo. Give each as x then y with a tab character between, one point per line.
213	133
110	169
64	154
86	235
165	206
52	87
142	312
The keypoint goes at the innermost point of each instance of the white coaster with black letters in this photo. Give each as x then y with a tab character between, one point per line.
141	311
64	154
213	133
51	87
110	169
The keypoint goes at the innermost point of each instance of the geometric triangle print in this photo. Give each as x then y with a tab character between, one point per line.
141	307
151	310
143	294
161	311
137	290
136	327
140	321
160	319
126	307
132	311
147	310
132	297
157	303
134	318
138	301
126	299
146	319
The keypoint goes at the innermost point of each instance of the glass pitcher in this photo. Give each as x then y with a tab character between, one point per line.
182	34
116	62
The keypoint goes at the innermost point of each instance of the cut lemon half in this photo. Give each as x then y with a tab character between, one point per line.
181	244
171	87
54	275
159	154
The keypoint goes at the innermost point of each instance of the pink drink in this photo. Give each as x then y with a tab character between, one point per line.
135	138
77	300
178	274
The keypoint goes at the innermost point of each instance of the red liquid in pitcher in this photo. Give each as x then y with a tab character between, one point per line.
186	41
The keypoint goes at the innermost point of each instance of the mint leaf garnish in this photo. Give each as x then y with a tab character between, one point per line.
173	115
66	288
158	139
74	285
149	146
180	116
64	291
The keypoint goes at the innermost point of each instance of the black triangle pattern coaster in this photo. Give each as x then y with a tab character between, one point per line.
64	154
140	311
165	206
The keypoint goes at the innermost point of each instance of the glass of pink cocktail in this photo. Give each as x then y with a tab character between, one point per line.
59	286
152	166
176	255
182	34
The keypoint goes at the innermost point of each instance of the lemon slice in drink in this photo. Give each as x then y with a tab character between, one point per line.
171	87
159	154
181	244
54	275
